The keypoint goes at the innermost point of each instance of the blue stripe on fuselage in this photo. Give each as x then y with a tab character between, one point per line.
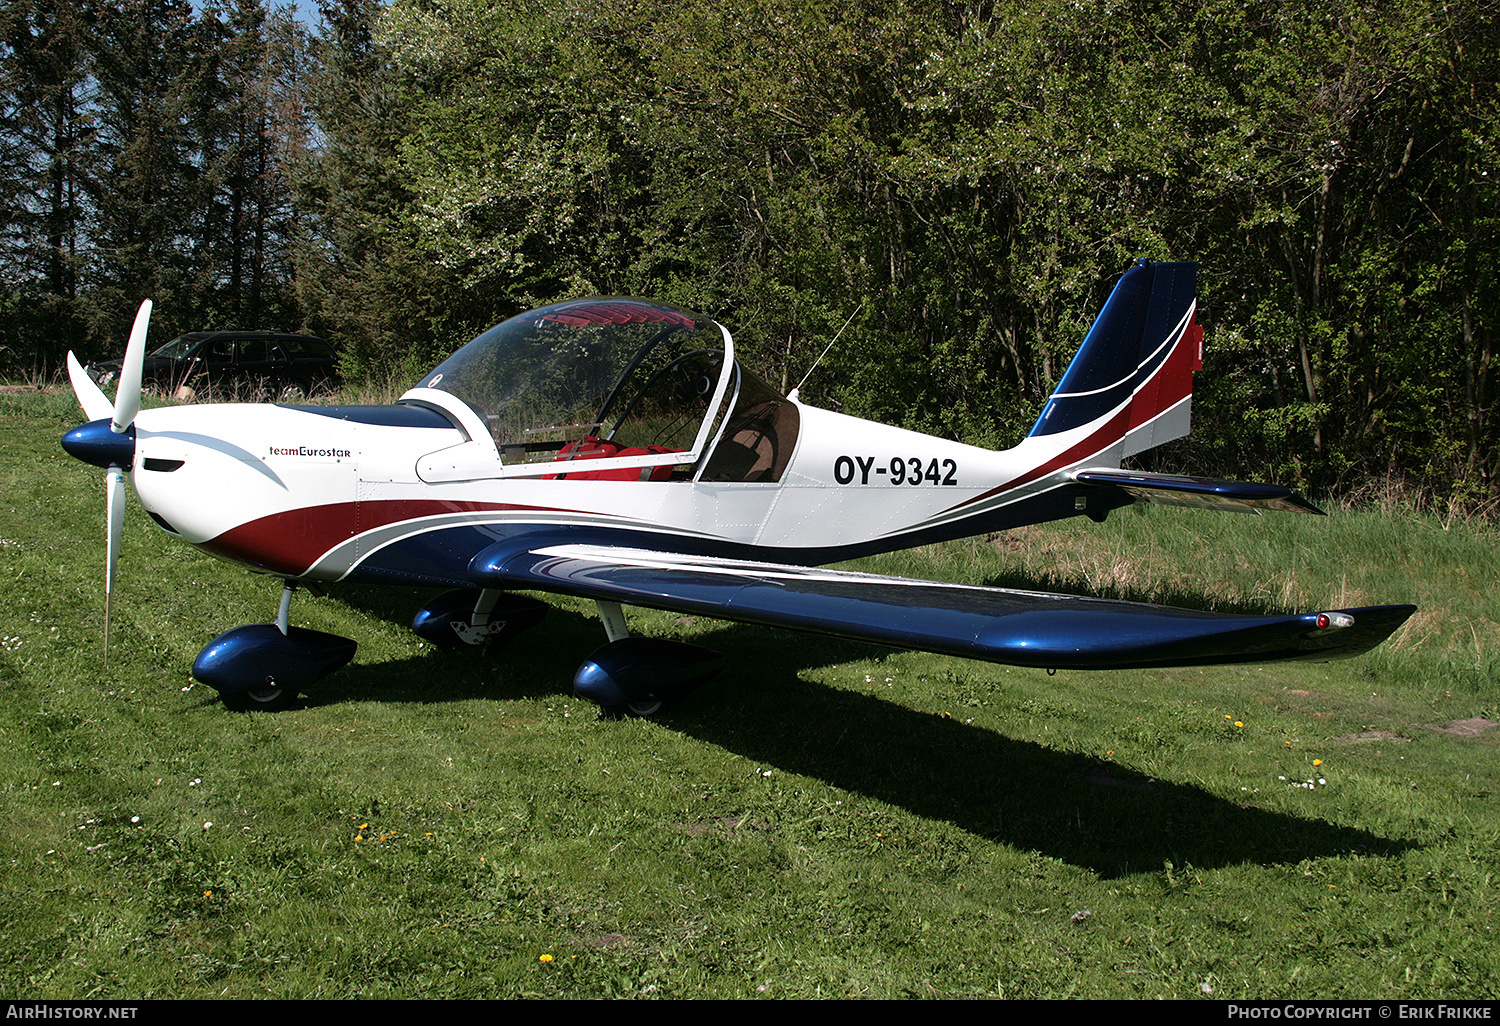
441	557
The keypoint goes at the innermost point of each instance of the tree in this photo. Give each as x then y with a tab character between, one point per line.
142	203
251	128
358	278
46	132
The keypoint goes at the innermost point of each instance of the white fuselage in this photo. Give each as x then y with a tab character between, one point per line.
309	495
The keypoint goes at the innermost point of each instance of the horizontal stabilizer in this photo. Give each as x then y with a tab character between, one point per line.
1199	492
999	625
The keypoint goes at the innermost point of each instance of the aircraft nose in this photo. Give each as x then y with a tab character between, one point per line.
96	443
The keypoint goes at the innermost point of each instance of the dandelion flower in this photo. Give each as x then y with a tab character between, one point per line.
1317	762
545	958
1239	723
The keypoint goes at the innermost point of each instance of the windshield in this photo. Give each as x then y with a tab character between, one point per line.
593	377
178	347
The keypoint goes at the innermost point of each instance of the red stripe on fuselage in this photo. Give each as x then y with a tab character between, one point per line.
1097	442
292	542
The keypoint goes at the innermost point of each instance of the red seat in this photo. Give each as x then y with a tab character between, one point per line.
591	448
586	448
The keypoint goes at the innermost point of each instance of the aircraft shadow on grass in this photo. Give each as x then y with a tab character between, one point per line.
1085	811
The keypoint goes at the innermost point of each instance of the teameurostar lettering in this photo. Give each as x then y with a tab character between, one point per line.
303	450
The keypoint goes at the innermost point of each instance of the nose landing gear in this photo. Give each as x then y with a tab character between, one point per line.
264	666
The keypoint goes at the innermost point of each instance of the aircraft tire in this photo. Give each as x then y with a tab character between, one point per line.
267	698
633	711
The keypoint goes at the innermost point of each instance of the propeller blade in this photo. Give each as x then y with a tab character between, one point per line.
128	393
96	405
114	511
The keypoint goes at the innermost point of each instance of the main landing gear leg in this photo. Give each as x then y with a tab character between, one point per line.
638	676
471	618
613	618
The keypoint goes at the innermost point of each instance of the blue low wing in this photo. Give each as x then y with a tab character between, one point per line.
1020	628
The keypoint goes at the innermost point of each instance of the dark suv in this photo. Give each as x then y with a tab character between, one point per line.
248	364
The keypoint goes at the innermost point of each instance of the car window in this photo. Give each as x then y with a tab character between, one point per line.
177	348
306	349
254	350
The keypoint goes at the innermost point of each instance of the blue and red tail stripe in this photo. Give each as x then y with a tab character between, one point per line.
1141	353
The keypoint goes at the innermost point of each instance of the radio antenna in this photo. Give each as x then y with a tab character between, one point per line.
792	395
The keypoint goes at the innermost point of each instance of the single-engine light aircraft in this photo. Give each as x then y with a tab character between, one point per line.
618	450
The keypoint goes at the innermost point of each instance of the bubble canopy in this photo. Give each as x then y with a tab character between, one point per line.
621	389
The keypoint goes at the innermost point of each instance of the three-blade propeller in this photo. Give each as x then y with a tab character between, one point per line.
115	455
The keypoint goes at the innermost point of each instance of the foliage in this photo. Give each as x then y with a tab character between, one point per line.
962	184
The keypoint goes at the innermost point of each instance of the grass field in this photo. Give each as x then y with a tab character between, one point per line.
825	819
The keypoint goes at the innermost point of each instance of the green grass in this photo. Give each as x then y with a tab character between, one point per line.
826	819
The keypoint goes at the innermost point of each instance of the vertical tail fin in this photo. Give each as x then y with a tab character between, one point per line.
1130	386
